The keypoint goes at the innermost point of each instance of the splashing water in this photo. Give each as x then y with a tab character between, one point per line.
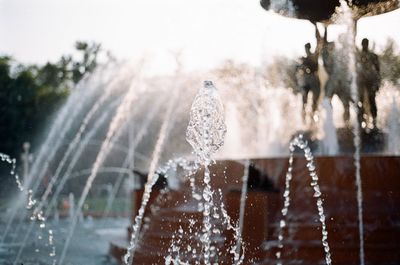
345	16
63	123
206	129
30	204
121	115
141	133
75	159
55	137
303	145
243	197
205	133
179	250
151	179
188	166
71	147
394	128
237	234
233	139
13	163
330	141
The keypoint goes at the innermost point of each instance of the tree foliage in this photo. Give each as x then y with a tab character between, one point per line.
390	62
29	94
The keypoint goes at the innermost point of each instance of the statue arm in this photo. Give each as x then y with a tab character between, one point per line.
320	41
377	64
325	34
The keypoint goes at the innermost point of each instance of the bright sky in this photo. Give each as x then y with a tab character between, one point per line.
207	31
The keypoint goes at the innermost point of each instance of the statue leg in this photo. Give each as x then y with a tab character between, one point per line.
346	112
372	105
316	93
342	90
316	90
305	97
360	104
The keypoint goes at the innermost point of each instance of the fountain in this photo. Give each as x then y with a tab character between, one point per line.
316	11
330	142
206	133
35	216
251	201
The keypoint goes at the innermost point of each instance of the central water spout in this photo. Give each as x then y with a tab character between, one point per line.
205	133
206	130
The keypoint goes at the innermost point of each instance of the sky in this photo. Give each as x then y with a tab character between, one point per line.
204	31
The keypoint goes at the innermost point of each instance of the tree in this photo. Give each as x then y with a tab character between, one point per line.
29	94
88	62
390	62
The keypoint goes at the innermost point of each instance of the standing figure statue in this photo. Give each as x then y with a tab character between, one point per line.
307	76
368	81
339	82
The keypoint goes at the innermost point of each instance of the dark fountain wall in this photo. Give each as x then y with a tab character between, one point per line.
381	202
302	245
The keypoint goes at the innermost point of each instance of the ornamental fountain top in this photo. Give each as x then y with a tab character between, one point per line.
322	11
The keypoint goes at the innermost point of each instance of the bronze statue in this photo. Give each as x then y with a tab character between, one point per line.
368	80
307	75
338	83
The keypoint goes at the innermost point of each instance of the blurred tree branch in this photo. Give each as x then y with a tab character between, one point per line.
390	62
30	94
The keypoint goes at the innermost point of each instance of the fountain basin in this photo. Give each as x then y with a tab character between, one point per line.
381	198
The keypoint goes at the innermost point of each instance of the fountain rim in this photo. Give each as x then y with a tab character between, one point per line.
360	10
